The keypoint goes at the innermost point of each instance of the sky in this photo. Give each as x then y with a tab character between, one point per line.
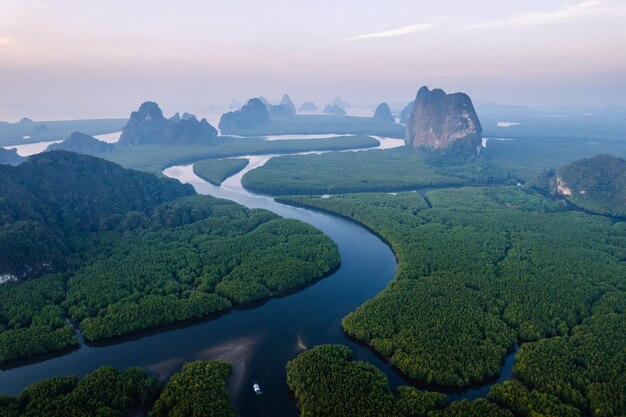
86	58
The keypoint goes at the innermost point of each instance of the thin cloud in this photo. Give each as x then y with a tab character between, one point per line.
5	41
405	30
581	10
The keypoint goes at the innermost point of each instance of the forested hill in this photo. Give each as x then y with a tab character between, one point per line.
53	195
597	184
73	192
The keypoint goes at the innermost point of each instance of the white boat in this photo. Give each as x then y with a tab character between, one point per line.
257	388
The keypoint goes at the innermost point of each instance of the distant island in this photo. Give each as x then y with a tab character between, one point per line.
383	113
308	106
334	110
148	126
253	114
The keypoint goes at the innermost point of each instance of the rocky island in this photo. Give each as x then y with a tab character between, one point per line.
383	113
334	110
253	114
441	121
147	126
308	106
286	101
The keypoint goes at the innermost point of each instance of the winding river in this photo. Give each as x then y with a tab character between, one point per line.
258	339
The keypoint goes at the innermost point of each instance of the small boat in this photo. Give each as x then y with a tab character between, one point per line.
257	388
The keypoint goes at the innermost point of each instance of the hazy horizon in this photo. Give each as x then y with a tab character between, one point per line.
77	60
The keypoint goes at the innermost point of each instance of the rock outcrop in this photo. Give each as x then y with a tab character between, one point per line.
253	114
405	114
148	126
286	101
81	143
265	102
339	102
334	110
308	106
441	121
280	111
383	113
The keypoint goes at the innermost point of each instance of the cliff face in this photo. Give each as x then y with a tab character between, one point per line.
443	121
253	114
148	126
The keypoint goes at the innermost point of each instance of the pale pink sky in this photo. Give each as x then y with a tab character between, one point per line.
84	58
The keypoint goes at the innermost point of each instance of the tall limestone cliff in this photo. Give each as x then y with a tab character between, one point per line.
441	121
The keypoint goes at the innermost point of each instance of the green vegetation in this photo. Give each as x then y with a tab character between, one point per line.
394	169
153	270
322	124
554	124
155	158
129	255
12	134
327	382
55	195
529	403
586	368
234	256
483	269
528	157
10	157
476	408
597	184
31	321
200	389
217	170
105	392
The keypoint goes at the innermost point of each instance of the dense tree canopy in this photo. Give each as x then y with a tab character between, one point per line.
327	382
55	195
384	170
132	256
485	268
104	393
200	389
